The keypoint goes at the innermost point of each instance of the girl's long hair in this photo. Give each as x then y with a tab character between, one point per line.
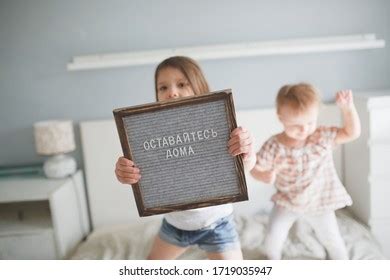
190	69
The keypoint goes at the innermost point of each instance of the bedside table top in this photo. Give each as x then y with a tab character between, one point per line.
29	188
375	99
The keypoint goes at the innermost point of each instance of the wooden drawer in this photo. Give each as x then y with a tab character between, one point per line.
381	230
41	218
26	231
379	159
38	246
380	124
379	197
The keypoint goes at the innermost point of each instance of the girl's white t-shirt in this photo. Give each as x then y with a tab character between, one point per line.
195	219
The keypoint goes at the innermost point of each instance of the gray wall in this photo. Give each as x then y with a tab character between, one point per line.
38	38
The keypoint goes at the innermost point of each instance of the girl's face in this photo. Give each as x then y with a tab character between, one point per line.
298	125
171	84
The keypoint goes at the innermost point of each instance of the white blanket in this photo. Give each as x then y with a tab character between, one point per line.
129	242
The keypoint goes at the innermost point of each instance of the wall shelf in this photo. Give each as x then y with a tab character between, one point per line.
262	48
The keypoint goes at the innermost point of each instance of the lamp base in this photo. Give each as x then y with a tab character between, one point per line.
59	166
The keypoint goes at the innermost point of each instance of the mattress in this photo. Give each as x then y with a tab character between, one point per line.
134	242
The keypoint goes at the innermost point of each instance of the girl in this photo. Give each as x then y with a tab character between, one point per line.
299	162
211	228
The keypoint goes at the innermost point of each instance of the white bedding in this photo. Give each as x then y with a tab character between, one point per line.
134	242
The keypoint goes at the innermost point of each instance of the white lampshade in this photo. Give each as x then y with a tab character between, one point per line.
54	137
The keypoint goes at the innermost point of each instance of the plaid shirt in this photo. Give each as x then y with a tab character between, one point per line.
306	179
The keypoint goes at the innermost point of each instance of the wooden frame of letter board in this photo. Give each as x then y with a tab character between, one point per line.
225	95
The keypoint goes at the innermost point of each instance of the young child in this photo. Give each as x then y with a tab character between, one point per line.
211	228
299	162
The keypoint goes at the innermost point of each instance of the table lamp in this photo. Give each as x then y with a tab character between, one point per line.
55	138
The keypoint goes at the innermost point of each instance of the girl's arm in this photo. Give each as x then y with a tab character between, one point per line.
241	143
351	129
126	172
267	177
249	161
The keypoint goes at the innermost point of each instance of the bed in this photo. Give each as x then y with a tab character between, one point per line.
119	233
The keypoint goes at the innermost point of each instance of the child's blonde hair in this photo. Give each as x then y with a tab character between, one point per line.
190	69
299	97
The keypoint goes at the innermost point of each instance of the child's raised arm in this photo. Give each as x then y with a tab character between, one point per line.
351	128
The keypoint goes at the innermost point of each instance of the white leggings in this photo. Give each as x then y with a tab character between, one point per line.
324	225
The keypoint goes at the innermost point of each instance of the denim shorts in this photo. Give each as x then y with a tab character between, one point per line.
218	237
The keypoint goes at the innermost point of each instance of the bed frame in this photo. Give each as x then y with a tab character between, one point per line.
112	203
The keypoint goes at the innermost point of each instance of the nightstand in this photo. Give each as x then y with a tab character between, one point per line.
367	162
42	218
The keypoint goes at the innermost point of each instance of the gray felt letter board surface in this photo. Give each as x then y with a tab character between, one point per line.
180	146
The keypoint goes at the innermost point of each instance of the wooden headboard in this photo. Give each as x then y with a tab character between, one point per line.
112	203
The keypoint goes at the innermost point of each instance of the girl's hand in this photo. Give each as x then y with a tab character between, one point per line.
265	176
351	128
126	172
268	177
241	143
344	99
